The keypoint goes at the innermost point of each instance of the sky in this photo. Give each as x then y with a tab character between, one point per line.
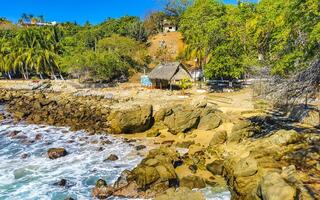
80	11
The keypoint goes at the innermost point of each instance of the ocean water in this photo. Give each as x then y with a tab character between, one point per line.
33	177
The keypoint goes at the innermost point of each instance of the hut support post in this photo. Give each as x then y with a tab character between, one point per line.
170	86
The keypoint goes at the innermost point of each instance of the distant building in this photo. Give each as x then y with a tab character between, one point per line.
164	75
168	26
35	23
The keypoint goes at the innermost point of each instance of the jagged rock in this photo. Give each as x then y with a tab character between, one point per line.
192	182
55	153
131	120
246	167
140	147
216	167
112	157
102	190
61	183
273	187
181	194
153	175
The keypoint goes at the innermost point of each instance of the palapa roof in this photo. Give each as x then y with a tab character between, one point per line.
170	71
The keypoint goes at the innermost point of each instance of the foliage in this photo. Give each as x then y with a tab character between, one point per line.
99	53
226	40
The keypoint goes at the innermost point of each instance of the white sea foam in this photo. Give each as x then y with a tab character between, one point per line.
33	178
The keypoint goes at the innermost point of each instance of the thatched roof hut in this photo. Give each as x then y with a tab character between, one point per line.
174	71
167	73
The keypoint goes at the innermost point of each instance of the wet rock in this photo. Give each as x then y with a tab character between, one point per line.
106	142
140	147
102	190
100	149
24	155
216	167
131	120
69	198
192	182
273	187
61	183
55	153
38	137
112	157
181	194
13	134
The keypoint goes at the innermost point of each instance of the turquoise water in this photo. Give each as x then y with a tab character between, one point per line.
33	178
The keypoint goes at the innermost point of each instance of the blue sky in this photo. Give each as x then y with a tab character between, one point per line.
80	11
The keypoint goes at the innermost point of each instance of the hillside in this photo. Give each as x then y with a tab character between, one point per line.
173	42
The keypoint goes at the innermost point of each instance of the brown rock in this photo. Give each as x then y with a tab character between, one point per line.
112	157
192	182
216	167
102	190
55	153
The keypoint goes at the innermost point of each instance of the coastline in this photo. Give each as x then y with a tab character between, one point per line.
233	150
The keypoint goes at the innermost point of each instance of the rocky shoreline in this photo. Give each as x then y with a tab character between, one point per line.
282	164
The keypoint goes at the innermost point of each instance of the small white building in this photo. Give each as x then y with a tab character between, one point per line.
168	26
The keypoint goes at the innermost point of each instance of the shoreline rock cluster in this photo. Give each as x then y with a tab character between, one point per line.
282	164
96	114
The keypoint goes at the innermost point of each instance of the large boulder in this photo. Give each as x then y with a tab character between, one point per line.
55	153
130	120
209	122
182	119
274	187
153	175
192	182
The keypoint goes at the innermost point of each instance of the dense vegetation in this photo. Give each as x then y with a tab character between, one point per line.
110	50
227	41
